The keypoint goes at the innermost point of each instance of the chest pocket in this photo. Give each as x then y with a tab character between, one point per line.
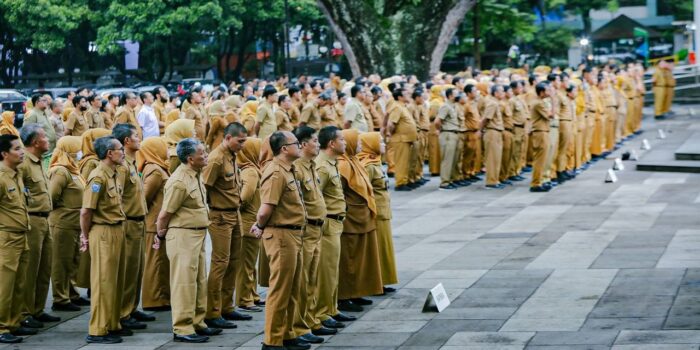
229	178
195	199
81	120
13	194
335	180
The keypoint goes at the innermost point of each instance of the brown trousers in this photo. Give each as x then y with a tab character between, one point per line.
327	293
65	260
516	154
540	144
188	279
472	148
566	139
493	148
134	232
14	254
506	154
246	277
305	316
434	157
156	276
225	233
108	266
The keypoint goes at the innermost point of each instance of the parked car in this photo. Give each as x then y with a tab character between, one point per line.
55	93
103	93
12	100
149	88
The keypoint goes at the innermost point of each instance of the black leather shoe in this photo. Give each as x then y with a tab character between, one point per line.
324	331
25	331
347	305
259	302
30	322
311	338
142	316
539	189
209	331
8	338
331	323
389	290
65	307
103	339
131	323
124	332
190	338
158	308
236	316
295	344
403	188
220	323
81	302
341	317
44	317
361	301
272	347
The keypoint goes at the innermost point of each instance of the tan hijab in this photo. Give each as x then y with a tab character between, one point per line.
88	146
172	116
265	153
62	154
371	149
249	155
178	130
154	150
7	126
353	172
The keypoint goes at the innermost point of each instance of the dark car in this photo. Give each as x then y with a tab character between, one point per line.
55	93
12	100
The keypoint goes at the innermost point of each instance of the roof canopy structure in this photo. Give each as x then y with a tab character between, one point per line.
622	27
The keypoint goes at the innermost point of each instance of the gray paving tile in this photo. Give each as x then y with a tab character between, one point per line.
624	323
574	338
437	332
367	339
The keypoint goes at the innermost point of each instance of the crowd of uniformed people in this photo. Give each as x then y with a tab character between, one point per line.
288	180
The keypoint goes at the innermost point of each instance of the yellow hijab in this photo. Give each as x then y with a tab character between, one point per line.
154	150
217	108
7	125
371	149
88	146
249	110
353	172
249	155
436	93
265	152
178	130
172	116
62	154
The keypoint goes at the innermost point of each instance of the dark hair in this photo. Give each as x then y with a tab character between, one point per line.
144	94
531	79
469	88
326	135
417	93
103	105
281	99
6	143
312	84
292	90
103	145
456	80
552	77
354	90
36	98
185	148
570	87
325	96
111	96
304	133
277	141
122	101
196	89
391	87
156	91
269	91
29	132
122	131
375	90
235	129
540	88
341	95
449	92
54	103
396	93
91	98
79	90
495	88
506	88
77	99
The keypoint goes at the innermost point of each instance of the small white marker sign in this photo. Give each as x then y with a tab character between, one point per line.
662	134
618	165
645	144
437	299
610	177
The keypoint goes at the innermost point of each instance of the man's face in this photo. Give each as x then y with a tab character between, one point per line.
15	156
235	143
96	103
132	101
85	93
338	145
148	98
116	153
499	94
360	96
200	158
133	142
292	146
58	109
311	147
196	98
42	103
83	104
114	101
287	103
41	142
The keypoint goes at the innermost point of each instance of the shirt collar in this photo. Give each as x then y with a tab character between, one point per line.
306	163
283	163
109	171
32	157
323	157
6	169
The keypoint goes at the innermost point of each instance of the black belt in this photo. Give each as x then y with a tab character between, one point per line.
539	131
472	131
289	227
511	129
112	224
519	126
611	106
336	217
42	214
494	129
375	129
452	131
136	218
222	209
318	222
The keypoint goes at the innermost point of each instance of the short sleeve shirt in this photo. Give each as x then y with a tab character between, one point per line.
330	184
222	179
305	171
13	211
37	184
185	198
133	198
280	188
103	194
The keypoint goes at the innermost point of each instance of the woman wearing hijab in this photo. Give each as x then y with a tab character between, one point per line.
217	123
7	125
360	271
172	116
266	157
152	162
248	113
66	189
176	131
371	159
246	284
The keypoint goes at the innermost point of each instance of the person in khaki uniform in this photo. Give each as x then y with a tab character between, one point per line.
159	107
658	81
435	103
14	252
182	224
102	231
283	113
94	117
670	86
332	144
217	122
222	181
248	161
520	115
311	114
447	121
353	114
194	112
36	282
542	112
492	122
152	162
421	116
134	205
472	131
306	174
126	113
402	134
77	122
265	121
280	223
295	111
611	106
507	134
566	133
38	115
66	191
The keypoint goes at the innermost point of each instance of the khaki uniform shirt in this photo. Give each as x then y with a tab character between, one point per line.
185	198
222	180
103	194
295	113
421	116
13	211
492	113
311	115
134	201
37	184
159	110
448	114
267	120
328	116
519	108
280	188
330	184
472	119
37	116
354	114
404	125
194	113
564	112
66	192
250	192
305	172
540	114
506	114
283	120
154	178
95	118
76	123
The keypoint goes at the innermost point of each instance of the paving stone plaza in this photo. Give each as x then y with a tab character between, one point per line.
589	265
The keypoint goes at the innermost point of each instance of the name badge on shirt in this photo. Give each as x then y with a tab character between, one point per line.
11	189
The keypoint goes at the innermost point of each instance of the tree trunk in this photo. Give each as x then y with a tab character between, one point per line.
402	37
586	18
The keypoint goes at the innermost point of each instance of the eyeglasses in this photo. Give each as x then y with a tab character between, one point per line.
293	143
117	149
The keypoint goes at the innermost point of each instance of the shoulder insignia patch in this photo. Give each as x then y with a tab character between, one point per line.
95	188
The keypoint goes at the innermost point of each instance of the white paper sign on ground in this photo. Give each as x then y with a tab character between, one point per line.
437	299
645	145
611	177
618	165
662	134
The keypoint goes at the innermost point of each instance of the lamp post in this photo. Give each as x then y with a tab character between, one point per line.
585	44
